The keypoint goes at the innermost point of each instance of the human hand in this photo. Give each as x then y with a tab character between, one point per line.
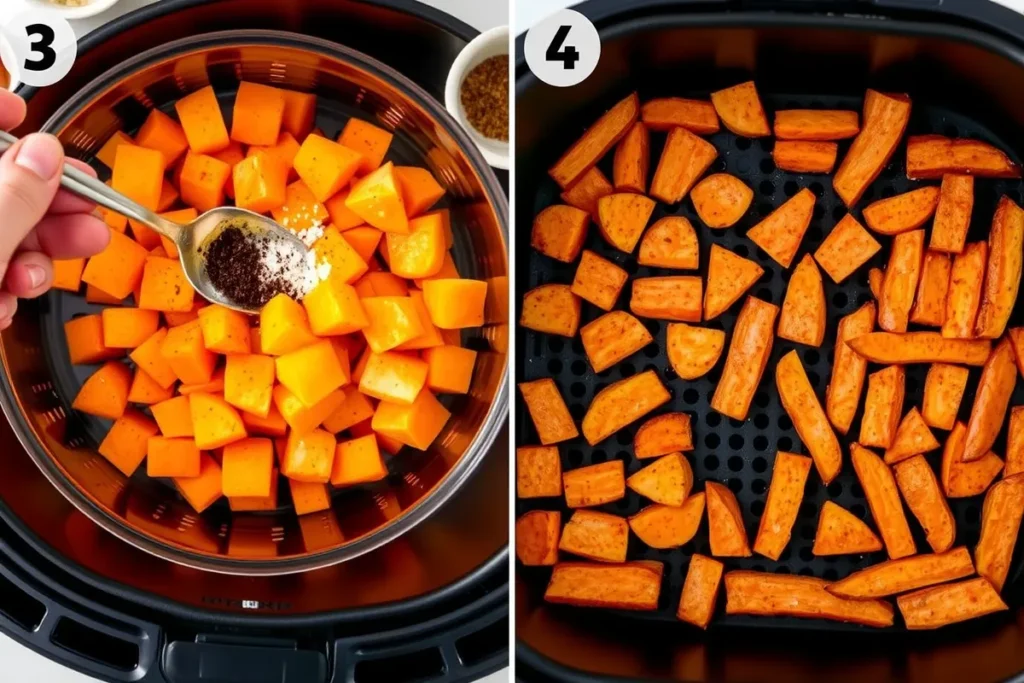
39	221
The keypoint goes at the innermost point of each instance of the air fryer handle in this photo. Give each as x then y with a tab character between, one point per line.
227	659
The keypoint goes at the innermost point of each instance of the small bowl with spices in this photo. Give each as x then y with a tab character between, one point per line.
75	9
477	93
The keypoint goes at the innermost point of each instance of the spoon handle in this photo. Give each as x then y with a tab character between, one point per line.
87	187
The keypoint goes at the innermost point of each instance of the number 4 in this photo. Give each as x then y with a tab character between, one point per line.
568	55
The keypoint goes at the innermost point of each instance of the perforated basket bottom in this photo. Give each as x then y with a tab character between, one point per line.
741	454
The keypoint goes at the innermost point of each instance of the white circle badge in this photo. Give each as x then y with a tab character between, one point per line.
563	49
40	47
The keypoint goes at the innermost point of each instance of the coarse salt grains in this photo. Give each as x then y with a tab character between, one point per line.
299	269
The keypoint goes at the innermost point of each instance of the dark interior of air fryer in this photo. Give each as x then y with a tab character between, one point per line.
958	89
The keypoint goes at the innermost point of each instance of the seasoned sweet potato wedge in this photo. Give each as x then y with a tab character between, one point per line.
596	536
727	533
538	472
593	485
1015	442
924	497
666	113
663	434
553	309
622	403
1016	337
548	411
816	124
674	297
537	537
729	276
780	233
876	276
883	498
920	347
912	438
849	369
932	156
944	387
559	232
805	156
772	595
693	351
684	159
632	585
668	480
840	532
883	407
700	590
669	526
749	350
670	243
885	120
965	479
848	247
991	400
803	310
964	296
1002	279
622	217
893	577
596	142
584	193
740	109
932	288
632	159
612	338
785	495
902	213
949	604
1000	525
953	215
801	404
721	200
598	280
900	283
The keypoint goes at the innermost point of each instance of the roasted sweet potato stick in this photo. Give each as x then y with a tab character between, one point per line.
802	405
943	605
537	537
749	350
912	438
538	472
548	411
816	124
674	297
921	490
803	156
632	159
666	113
953	215
965	479
1002	278
883	498
932	288
1015	442
771	595
700	590
848	247
559	231
693	351
902	213
803	310
553	309
781	232
1000	525
721	200
883	407
991	400
785	495
584	193
684	159
729	276
964	296
622	217
840	532
598	280
596	536
876	276
670	243
885	120
1016	337
849	369
597	484
889	348
728	535
932	156
622	403
632	586
668	480
740	109
669	526
943	391
893	577
596	142
900	283
663	434
612	338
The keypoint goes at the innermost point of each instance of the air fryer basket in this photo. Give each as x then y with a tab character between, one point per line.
963	83
40	382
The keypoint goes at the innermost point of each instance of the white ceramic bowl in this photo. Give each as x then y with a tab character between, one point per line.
486	45
90	9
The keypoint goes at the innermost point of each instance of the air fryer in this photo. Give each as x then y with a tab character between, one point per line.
402	581
963	65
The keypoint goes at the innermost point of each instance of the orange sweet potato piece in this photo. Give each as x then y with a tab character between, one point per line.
885	120
538	472
182	348
805	156
108	152
215	385
667	481
875	278
803	310
596	142
390	376
84	338
420	189
105	393
949	604
202	121
431	336
537	534
146	390
932	156
125	444
346	262
965	479
700	590
912	438
920	488
553	309
598	280
214	422
764	594
667	298
693	351
953	215
302	418
883	407
584	193
622	218
355	408
684	159
594	484
300	210
991	401
369	141
67	274
1015	442
1002	278
749	350
780	233
1016	337
455	303
930	305
740	109
380	283
848	369
899	576
224	330
267	503
172	457
816	124
299	113
342	217
920	347
260	183
840	532
202	181
785	495
728	536
326	167
281	152
248	468
116	270
164	286
900	283
622	403
629	586
308	497
632	159
943	391
883	498
284	326
902	213
669	526
421	252
174	417
548	411
595	536
162	133
846	248
416	425
670	243
126	328
721	200
314	371
1000	524
392	320
309	457
139	175
664	114
203	491
249	383
358	461
559	231
258	114
230	155
802	405
729	276
612	338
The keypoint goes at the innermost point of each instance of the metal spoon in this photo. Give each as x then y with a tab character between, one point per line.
189	237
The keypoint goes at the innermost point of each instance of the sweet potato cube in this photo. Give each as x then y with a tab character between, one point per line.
559	231
358	461
326	166
334	308
584	193
309	497
263	503
966	479
666	113
700	591
729	276
622	218
280	153
415	425
126	442
214	422
309	457
692	351
312	372
139	174
248	467
455	303
780	233
930	305
420	190
668	298
670	243
885	120
370	141
215	385
202	121
785	495
548	411
537	535
165	287
903	212
805	156
668	526
299	113
419	253
740	109
300	417
449	369
900	283
224	330
249	383
67	274
912	438
203	179
816	124
840	532
105	393
377	199
804	310
300	210
728	535
355	408
394	377
392	320
598	280
944	388
668	480
684	159
174	417
284	326
146	390
883	407
84	337
108	152
632	160
848	247
258	113
538	472
347	264
612	338
662	435
594	484
721	200
381	283
621	403
553	309
183	350
596	141
596	536
203	491
117	269
167	457
260	183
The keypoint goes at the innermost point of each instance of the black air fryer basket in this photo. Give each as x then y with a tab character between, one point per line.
962	63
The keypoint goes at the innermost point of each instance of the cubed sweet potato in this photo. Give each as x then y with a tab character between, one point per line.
912	438
662	435
692	351
785	495
816	124
921	490
893	577
848	247
538	472
966	479
721	200
804	310
883	407
553	309
1015	442
848	369
596	536
588	188
728	535
559	232
740	109
749	350
885	120
598	280
630	586
780	233
596	142
665	113
903	212
622	403
594	484
949	604
772	595
684	159
883	498
668	480
965	290
700	590
805	156
804	409
669	526
537	534
1002	278
676	297
1000	525
932	156
840	532
548	411
612	338
622	218
729	276
953	215
670	243
632	160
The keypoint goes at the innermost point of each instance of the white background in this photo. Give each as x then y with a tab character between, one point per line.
18	663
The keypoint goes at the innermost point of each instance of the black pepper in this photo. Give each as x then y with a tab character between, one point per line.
484	94
234	264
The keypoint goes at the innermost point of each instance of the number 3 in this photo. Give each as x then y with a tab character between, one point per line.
568	56
43	46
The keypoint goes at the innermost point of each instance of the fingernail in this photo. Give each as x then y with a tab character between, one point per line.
40	154
36	275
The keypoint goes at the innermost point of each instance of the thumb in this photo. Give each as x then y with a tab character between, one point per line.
29	178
